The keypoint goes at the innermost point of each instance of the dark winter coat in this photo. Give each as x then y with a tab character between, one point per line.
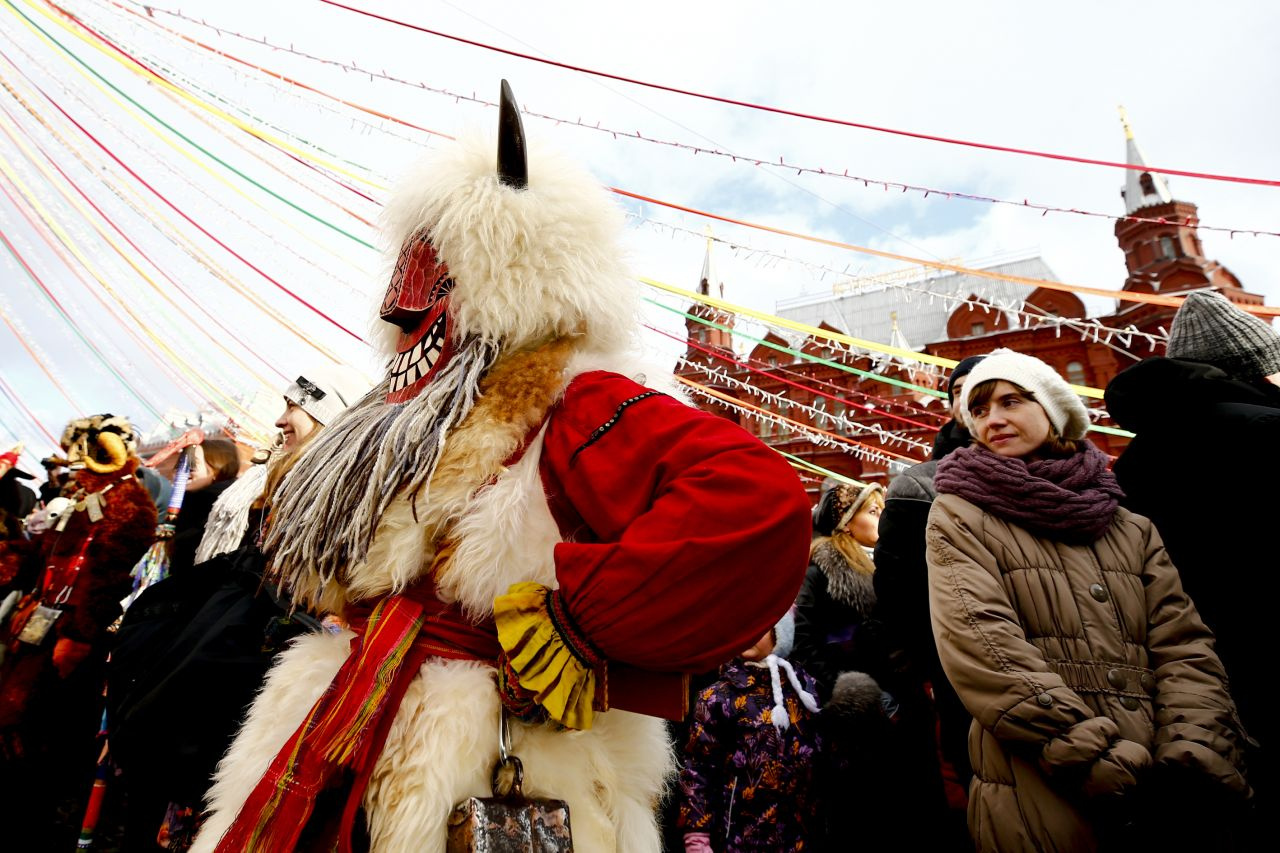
902	596
935	723
191	653
950	437
189	528
747	785
834	632
837	641
1205	468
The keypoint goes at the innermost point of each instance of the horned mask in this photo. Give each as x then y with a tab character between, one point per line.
417	298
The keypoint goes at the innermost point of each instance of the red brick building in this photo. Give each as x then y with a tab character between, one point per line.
886	425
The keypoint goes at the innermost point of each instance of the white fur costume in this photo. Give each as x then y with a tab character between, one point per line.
443	743
534	266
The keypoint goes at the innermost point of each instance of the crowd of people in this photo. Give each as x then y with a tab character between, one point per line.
1015	648
1021	644
1011	648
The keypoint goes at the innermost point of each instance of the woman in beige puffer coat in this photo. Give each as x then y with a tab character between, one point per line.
1064	629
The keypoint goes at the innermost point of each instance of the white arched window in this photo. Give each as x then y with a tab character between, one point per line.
1075	373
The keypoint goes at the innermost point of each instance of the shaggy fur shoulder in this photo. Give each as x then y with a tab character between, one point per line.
845	584
470	483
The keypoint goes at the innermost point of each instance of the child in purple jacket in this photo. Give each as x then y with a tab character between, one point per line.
747	774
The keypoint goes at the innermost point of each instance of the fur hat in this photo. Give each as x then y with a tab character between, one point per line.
325	390
528	265
839	505
855	696
1066	412
101	443
1208	328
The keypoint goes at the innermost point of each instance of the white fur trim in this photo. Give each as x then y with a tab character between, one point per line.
506	536
441	749
636	366
293	685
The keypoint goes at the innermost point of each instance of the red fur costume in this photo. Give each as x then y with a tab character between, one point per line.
51	693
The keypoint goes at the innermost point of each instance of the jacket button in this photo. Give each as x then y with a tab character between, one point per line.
1116	678
1148	682
1099	592
1129	703
1045	699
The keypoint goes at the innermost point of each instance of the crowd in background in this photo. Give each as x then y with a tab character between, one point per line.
1021	644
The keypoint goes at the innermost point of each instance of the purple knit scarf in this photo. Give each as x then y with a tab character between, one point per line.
1068	500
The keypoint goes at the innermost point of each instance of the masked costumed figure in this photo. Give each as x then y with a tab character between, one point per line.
511	518
75	574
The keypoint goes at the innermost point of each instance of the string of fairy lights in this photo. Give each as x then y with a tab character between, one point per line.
833	172
155	203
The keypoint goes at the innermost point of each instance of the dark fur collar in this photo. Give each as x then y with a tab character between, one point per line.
845	584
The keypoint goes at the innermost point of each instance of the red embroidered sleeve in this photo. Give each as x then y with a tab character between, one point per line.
686	538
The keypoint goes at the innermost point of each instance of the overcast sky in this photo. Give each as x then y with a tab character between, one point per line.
1196	79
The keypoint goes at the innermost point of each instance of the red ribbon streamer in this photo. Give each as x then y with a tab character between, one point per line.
827	119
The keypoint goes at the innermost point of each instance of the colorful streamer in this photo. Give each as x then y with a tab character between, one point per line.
618	133
811	117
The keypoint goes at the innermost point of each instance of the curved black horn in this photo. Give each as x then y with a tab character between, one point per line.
513	166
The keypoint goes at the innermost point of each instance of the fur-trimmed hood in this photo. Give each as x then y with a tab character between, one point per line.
845	584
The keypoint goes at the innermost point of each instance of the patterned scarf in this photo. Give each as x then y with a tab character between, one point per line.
1069	500
347	726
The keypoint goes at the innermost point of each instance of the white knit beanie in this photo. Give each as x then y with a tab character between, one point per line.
1068	415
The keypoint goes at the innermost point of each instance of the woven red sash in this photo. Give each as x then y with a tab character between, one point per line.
348	724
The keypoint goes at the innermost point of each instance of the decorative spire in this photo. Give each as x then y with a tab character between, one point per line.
708	270
896	337
1124	121
1141	189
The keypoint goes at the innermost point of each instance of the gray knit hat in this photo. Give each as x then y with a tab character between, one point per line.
1210	329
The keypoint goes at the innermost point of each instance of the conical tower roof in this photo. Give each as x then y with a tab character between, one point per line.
1141	188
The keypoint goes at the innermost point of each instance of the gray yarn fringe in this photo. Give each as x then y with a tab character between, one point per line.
328	506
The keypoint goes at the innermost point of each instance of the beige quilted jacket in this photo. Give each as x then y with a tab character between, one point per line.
1082	666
